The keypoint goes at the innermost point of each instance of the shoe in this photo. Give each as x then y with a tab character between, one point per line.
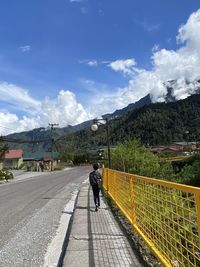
96	209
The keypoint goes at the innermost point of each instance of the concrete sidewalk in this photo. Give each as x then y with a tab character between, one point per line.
95	239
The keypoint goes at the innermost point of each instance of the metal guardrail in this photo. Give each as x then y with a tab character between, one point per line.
174	158
165	214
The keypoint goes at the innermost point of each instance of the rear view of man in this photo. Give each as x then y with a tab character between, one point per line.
96	183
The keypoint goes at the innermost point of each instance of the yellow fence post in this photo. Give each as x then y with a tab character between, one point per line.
132	202
197	198
107	180
114	187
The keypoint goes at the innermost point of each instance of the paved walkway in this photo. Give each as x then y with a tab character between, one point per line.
95	239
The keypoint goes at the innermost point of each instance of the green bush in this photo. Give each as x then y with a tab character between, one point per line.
131	156
6	175
190	173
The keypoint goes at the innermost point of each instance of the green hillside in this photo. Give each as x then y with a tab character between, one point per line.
154	124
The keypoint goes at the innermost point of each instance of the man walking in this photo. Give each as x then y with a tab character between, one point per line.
96	184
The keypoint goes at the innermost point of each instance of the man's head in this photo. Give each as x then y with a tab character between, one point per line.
95	166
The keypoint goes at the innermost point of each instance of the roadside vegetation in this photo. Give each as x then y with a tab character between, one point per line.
163	208
133	157
5	175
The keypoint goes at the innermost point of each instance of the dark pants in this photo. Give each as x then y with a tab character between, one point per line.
95	190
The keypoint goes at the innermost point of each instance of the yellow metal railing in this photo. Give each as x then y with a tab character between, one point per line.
165	214
174	158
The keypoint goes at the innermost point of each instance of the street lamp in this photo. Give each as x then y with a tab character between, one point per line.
95	127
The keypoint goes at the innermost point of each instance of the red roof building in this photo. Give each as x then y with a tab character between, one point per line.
13	154
13	158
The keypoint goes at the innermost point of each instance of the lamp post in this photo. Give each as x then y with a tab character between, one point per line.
187	140
94	128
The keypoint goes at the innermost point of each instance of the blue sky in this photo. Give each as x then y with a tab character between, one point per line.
67	61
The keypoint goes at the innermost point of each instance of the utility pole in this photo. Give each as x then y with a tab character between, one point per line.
52	140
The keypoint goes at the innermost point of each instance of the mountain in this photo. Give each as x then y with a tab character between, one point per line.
164	123
41	138
154	124
142	102
28	140
172	86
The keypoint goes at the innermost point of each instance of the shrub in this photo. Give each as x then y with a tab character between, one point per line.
190	173
6	175
131	156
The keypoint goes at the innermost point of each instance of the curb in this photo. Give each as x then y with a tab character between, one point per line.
66	239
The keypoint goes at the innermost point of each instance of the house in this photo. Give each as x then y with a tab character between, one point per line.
186	146
39	155
179	148
34	158
13	158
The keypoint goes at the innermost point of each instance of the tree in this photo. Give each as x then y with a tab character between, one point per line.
3	149
132	157
190	173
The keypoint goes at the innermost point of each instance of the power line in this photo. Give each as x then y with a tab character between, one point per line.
22	141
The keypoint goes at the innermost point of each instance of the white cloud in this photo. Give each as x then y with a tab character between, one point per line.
95	62
92	63
7	121
123	65
155	48
64	109
181	65
18	97
184	62
25	48
11	123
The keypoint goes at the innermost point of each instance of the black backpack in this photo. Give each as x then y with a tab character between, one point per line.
95	179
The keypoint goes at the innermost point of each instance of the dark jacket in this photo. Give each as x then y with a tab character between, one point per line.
95	178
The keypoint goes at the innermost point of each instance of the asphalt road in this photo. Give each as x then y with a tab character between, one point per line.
30	211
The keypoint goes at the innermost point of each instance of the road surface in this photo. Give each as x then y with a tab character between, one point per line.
30	212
